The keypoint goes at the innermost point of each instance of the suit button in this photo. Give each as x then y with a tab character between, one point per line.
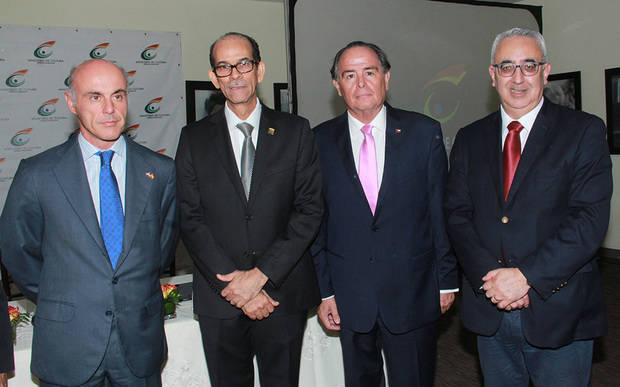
253	252
374	228
372	260
499	261
108	313
115	280
249	217
505	219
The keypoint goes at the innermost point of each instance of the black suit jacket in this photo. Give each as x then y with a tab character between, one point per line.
6	338
394	263
550	227
52	245
223	231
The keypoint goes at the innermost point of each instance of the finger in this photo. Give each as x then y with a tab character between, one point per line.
226	277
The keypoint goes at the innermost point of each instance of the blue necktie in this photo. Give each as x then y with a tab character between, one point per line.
111	208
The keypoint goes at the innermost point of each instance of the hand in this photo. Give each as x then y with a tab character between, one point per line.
519	304
260	307
328	314
4	380
445	301
243	285
505	286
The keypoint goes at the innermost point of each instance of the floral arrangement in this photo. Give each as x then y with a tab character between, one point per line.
172	298
16	317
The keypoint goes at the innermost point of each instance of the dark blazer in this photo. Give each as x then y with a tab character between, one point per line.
392	264
6	338
223	231
52	245
550	227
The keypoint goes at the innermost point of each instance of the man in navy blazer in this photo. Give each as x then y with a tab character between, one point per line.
6	341
383	257
99	317
527	205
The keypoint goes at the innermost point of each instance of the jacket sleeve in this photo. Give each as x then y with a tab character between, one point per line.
305	218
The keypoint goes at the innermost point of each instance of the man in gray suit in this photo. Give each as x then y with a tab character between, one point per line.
85	234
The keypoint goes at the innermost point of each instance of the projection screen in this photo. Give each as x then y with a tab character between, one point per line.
440	53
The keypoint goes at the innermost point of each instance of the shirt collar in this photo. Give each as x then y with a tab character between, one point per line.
253	119
379	122
527	120
89	150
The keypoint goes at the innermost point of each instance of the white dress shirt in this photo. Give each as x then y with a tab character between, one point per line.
379	124
526	120
92	163
237	137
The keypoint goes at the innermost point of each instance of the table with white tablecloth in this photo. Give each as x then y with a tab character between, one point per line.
321	357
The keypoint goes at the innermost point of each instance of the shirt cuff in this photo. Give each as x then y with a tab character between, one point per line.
327	298
448	291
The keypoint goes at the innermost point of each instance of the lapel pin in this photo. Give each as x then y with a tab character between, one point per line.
150	175
397	131
271	131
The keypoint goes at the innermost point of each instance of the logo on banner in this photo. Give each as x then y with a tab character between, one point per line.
21	138
130	75
16	79
150	52
44	50
148	55
99	51
153	106
132	131
47	108
43	53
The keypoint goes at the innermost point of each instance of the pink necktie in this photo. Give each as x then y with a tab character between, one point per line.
368	168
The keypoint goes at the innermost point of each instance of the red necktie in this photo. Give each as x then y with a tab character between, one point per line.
511	154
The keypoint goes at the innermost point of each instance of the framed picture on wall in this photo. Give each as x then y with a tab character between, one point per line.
564	89
202	99
612	97
280	97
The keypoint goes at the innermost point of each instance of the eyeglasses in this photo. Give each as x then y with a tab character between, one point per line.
244	66
508	69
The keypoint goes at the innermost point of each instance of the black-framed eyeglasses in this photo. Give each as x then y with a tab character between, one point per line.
508	69
244	66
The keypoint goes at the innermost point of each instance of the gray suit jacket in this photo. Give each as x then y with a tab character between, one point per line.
52	245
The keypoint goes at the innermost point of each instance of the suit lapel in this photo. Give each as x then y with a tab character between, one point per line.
392	146
536	143
342	139
223	146
139	179
494	146
267	140
71	176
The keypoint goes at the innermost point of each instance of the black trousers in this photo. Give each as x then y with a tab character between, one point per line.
230	345
410	357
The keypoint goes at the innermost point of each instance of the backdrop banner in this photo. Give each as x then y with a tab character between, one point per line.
35	63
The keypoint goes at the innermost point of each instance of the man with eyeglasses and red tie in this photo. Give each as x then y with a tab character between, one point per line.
527	205
249	188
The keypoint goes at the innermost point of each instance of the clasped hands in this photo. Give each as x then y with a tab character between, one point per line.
245	291
507	288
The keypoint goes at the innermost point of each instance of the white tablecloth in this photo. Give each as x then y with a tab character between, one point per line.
321	358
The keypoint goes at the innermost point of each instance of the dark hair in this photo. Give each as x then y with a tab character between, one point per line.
255	49
380	54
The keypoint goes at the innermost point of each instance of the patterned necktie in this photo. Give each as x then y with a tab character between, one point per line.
111	208
368	168
511	154
247	156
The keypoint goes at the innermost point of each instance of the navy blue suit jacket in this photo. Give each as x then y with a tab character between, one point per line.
394	263
550	227
52	245
6	338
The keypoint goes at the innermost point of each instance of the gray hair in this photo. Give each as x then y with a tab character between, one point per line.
385	64
520	32
74	68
